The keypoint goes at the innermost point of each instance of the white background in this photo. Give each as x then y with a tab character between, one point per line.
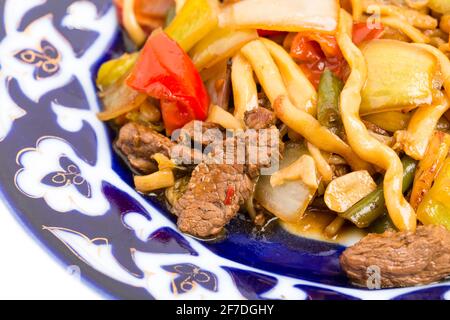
28	271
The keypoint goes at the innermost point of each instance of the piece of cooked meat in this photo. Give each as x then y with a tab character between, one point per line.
214	195
265	149
404	258
199	131
139	143
259	118
218	188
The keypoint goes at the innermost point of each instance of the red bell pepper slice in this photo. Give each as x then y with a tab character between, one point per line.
164	71
362	33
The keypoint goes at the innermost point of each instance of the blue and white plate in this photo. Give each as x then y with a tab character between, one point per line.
60	176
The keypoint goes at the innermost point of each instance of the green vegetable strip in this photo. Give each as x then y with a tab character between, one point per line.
367	210
330	88
382	224
113	70
171	13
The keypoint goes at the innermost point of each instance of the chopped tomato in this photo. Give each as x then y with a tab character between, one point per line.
362	32
315	70
317	51
164	71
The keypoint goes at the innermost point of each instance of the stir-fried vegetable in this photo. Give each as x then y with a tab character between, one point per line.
343	192
316	52
285	15
362	33
390	120
289	200
113	70
177	190
328	113
441	6
372	207
399	76
435	208
304	46
382	224
161	179
333	228
194	21
303	169
119	99
170	15
219	45
164	71
430	166
318	135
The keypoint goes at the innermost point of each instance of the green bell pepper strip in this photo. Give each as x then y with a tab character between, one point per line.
328	114
382	224
367	210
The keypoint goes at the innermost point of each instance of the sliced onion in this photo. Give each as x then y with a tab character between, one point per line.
290	200
118	100
282	15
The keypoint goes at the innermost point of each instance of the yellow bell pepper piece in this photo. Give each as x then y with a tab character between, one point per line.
435	208
390	120
194	21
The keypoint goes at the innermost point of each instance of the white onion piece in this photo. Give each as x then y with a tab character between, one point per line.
289	200
282	15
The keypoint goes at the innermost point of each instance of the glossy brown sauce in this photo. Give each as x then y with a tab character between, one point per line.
314	223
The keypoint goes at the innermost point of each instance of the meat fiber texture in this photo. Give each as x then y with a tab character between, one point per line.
215	193
139	143
403	258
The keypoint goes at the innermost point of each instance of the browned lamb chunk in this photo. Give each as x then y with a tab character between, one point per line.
216	191
200	132
214	195
139	143
259	118
403	258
